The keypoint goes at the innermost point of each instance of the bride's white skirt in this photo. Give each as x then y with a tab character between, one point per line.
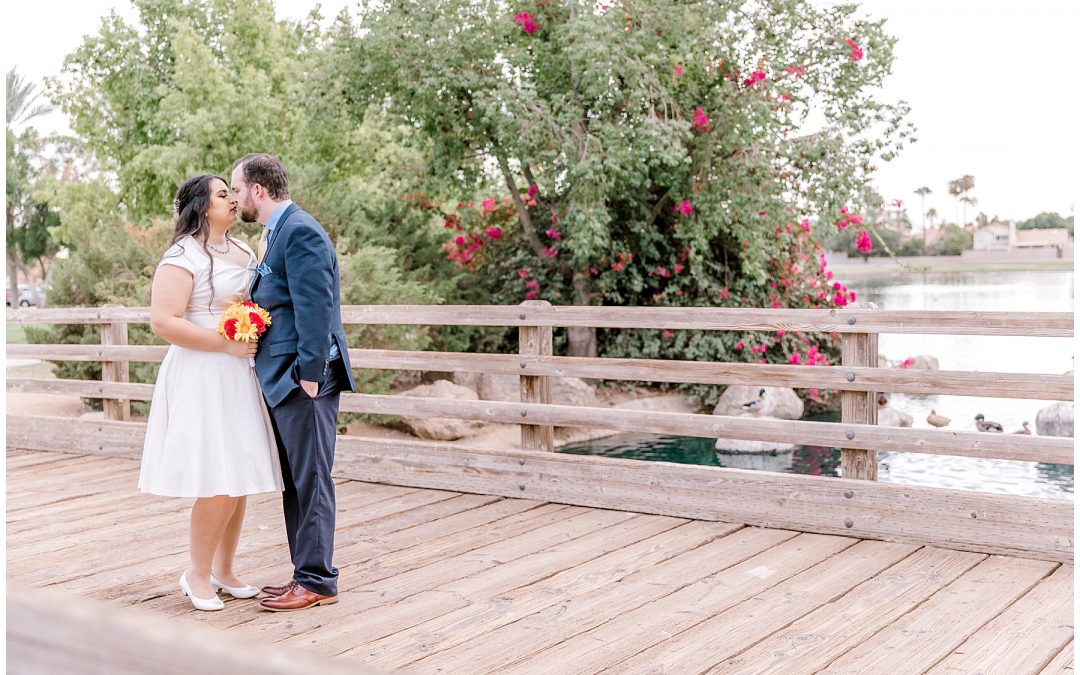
209	432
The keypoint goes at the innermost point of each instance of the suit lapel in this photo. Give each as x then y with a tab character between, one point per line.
289	210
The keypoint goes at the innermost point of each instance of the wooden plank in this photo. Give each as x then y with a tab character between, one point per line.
84	388
930	632
859	407
393	650
1025	637
48	632
441	631
536	341
697	649
1051	324
1062	663
495	650
829	434
1011	525
1027	324
1039	386
592	650
104	353
818	638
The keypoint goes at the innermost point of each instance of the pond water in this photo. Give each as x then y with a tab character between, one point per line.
968	291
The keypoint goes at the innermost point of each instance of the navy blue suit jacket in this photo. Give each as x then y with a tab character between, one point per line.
298	283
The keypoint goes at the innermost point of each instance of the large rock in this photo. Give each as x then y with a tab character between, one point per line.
779	402
1055	420
893	417
664	403
493	387
442	428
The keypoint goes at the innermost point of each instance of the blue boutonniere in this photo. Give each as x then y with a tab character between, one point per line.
263	269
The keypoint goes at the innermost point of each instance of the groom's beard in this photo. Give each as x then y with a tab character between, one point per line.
248	214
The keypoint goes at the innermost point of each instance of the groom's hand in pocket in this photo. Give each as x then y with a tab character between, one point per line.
310	388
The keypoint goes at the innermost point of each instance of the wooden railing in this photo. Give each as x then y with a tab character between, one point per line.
556	477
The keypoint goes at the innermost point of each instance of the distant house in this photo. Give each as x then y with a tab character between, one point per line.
1048	238
996	236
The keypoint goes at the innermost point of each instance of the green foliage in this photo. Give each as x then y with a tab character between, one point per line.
1047	220
911	247
953	242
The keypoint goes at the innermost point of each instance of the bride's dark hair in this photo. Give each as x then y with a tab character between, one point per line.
190	205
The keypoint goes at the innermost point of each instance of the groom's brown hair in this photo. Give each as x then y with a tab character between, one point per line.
267	171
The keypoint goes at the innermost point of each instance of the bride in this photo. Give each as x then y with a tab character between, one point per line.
208	435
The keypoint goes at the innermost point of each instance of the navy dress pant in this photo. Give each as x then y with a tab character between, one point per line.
306	431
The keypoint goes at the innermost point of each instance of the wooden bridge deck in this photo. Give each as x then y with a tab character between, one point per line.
436	581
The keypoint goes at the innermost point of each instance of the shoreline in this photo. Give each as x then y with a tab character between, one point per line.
882	266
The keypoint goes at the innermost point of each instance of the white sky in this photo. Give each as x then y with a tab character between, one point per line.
992	85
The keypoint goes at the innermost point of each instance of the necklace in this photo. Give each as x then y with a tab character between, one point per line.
228	247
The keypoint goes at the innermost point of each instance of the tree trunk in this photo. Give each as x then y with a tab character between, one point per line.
581	341
13	277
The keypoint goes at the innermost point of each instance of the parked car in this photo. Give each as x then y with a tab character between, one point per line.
26	298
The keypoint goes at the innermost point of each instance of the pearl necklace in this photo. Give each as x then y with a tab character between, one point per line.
228	247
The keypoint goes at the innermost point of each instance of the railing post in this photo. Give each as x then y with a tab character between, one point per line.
859	407
115	334
535	341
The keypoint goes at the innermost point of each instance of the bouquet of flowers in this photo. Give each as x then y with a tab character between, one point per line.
244	322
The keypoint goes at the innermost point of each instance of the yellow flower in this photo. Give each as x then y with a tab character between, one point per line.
245	329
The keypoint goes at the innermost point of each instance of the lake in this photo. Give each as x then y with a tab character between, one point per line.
967	291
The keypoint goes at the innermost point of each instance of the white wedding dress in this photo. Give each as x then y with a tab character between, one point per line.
208	432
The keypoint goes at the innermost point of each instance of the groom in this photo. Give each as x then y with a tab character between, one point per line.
302	365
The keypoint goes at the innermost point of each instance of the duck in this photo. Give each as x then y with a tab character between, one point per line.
936	420
1026	431
983	424
755	405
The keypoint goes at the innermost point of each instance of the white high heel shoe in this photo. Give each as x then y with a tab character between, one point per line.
240	593
205	604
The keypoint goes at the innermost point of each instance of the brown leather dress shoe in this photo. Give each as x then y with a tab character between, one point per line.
296	598
279	590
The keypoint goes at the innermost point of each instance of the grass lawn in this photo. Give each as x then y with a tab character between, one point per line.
16	334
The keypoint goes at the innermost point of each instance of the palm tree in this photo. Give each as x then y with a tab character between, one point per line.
960	188
931	214
922	192
967	201
21	96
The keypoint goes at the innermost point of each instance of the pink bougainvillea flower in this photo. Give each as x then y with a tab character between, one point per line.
532	190
460	241
772	285
553	233
493	232
526	21
805	225
551	252
488	205
662	271
530	295
794	359
684	208
678	70
532	283
667	334
797	70
898	203
724	293
755	77
701	120
678	268
524	273
856	219
739	346
554	219
862	242
856	51
907	363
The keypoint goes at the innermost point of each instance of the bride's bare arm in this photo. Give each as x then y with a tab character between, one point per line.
169	297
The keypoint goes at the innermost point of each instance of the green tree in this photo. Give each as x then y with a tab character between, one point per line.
960	189
658	136
1047	220
953	241
922	192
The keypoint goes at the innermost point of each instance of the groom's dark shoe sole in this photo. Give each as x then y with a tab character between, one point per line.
295	599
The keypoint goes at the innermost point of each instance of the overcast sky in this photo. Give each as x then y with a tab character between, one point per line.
992	85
